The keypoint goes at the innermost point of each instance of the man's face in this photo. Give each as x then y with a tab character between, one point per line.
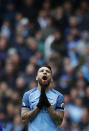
44	76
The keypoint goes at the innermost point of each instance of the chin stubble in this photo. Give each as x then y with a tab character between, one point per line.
44	85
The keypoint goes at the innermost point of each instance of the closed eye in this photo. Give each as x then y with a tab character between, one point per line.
42	71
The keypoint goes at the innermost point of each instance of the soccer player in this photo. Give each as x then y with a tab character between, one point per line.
43	107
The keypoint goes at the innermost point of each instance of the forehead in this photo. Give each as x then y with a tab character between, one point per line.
44	68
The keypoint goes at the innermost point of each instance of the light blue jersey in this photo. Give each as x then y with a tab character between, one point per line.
42	121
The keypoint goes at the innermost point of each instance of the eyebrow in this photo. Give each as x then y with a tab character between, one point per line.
45	69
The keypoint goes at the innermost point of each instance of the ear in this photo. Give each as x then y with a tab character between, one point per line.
51	79
36	78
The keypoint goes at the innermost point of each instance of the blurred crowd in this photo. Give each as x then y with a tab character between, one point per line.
53	32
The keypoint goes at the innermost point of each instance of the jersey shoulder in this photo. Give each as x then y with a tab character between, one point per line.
30	91
57	92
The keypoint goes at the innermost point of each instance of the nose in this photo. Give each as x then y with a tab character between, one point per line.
44	72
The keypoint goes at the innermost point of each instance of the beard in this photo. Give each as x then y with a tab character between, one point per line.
44	85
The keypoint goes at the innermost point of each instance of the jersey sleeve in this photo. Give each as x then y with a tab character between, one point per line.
25	102
60	103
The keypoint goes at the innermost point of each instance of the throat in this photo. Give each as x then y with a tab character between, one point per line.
47	88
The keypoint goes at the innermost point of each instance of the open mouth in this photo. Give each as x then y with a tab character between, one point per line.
44	77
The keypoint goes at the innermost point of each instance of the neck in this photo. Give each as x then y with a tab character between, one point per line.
46	88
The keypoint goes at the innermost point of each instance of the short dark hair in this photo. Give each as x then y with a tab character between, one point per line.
49	67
